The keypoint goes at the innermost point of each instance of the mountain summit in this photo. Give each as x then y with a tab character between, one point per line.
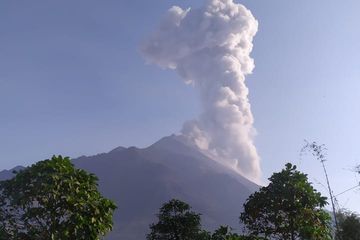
141	180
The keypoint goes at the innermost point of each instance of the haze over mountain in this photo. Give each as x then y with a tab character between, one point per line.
141	180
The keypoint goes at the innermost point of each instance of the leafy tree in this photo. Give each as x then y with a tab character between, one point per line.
177	222
224	233
53	200
349	226
3	234
288	208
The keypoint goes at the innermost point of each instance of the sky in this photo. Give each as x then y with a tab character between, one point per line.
73	82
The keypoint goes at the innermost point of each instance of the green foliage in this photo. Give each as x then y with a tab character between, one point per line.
288	208
177	222
349	226
3	234
224	233
53	200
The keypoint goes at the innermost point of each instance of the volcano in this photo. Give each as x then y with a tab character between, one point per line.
141	180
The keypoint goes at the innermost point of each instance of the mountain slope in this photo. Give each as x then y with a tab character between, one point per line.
141	180
6	174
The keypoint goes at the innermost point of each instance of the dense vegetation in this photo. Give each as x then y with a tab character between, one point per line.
288	208
53	200
349	226
178	222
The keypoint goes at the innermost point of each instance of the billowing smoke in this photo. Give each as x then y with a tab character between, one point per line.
210	48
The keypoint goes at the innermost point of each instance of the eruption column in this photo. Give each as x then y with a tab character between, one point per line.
210	48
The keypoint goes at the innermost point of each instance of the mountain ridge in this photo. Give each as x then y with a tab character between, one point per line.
140	180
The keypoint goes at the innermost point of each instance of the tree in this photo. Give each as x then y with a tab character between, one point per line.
3	234
53	200
224	233
177	222
288	208
349	226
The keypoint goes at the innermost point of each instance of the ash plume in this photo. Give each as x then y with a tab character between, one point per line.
210	49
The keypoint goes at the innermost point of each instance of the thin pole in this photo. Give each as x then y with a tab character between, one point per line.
331	194
317	151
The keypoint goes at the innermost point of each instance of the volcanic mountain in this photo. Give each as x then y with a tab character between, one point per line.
141	180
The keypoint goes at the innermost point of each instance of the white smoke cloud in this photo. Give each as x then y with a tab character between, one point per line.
210	48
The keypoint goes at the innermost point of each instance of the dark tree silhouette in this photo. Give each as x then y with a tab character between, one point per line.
288	208
349	226
53	200
177	222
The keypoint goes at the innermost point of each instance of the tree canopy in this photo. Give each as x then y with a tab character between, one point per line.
288	208
53	200
225	233
349	226
176	222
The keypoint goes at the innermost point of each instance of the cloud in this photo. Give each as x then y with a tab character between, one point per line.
210	47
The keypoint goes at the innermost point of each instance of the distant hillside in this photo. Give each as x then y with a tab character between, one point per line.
141	180
6	174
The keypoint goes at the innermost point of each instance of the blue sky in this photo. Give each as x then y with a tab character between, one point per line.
72	82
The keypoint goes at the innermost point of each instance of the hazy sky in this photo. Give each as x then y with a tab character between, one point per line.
72	82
